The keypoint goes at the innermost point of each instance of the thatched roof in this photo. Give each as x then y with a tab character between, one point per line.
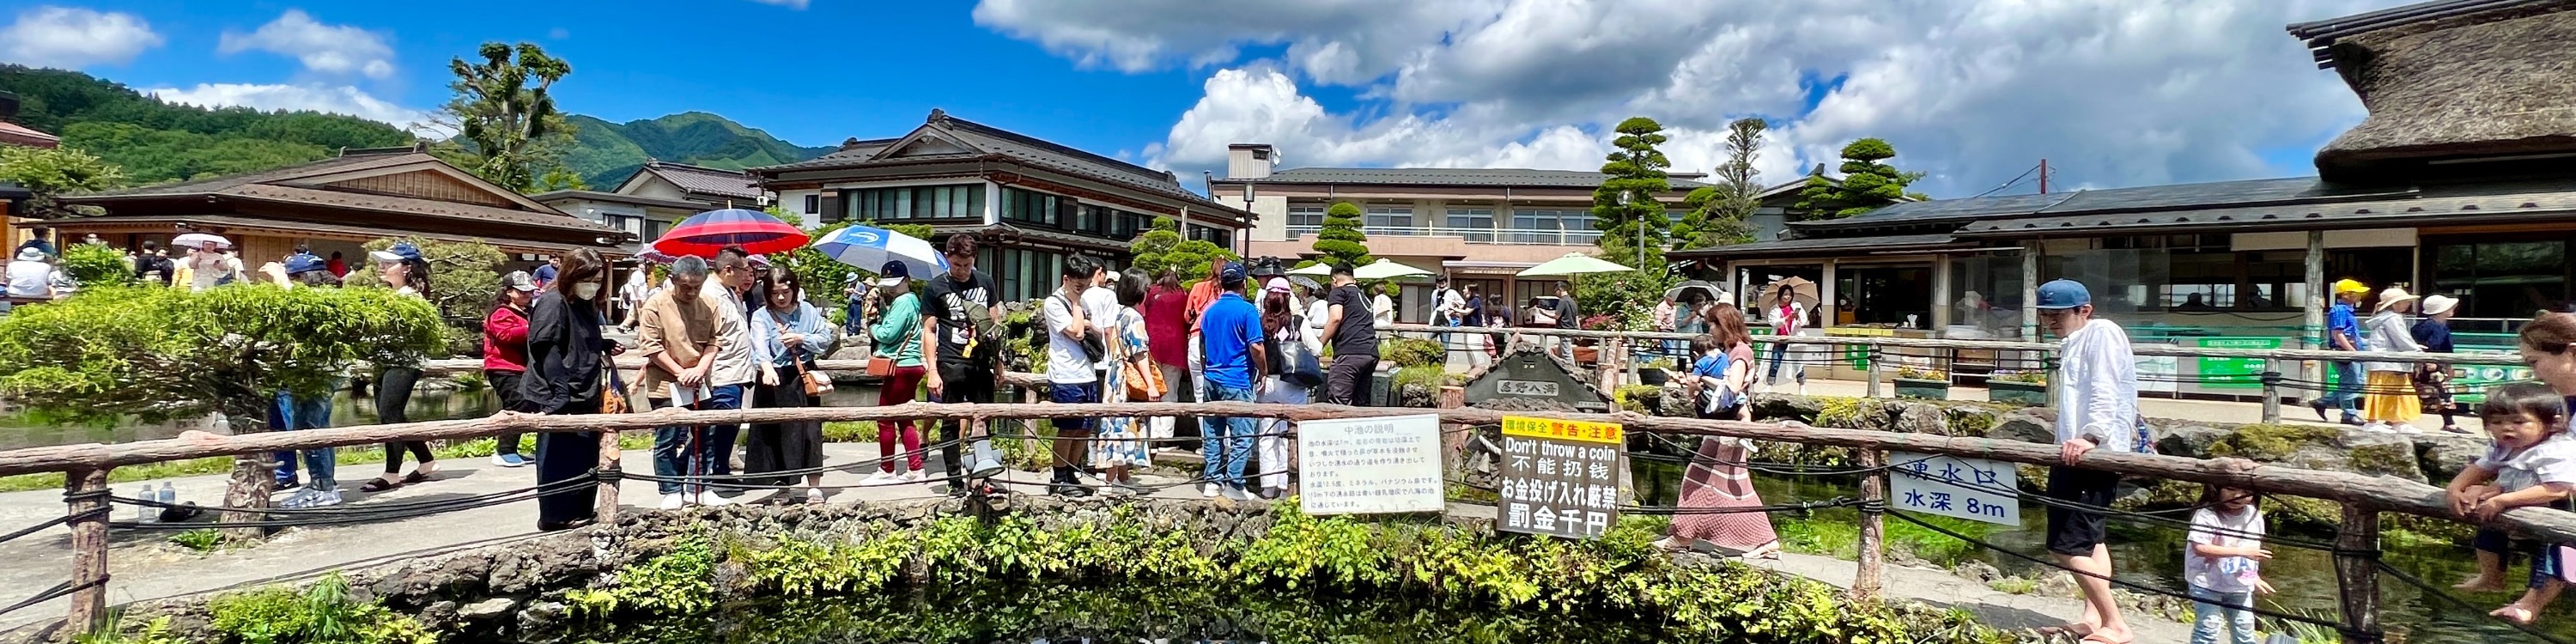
2486	80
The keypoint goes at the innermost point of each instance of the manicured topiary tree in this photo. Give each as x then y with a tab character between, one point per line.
1342	241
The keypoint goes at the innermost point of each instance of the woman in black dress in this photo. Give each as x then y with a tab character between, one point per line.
565	358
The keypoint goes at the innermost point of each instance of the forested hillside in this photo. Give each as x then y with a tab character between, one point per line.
604	153
158	142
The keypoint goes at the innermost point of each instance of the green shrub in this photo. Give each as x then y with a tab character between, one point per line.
96	265
202	540
1412	352
322	613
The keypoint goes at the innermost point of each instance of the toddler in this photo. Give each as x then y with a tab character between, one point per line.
2223	562
2532	463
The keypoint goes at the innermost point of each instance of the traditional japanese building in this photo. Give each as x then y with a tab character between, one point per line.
336	204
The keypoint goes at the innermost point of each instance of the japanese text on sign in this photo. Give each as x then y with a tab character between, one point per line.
1370	465
1967	488
1537	388
1559	487
1572	430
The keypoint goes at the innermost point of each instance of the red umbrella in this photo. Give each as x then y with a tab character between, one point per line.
705	233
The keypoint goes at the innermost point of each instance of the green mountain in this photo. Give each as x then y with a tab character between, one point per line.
158	142
605	153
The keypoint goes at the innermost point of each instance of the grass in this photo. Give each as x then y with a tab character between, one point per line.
202	540
476	448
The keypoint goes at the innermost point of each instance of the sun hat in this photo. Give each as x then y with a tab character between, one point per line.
2392	296
2062	294
31	254
2347	285
520	280
2438	304
1276	285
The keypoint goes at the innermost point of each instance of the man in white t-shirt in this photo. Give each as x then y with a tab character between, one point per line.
1071	378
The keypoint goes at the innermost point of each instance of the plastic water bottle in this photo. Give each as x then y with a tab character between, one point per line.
141	513
169	495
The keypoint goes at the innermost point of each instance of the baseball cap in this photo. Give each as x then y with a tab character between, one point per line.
893	274
2061	295
520	280
2349	285
399	252
1232	274
302	263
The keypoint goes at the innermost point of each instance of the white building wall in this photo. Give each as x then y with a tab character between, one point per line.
794	201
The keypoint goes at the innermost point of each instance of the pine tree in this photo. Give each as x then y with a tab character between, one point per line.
504	108
1867	183
1342	241
1625	208
1719	212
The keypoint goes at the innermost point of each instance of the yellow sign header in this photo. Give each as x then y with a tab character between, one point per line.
1572	430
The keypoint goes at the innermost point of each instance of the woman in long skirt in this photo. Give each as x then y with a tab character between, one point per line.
565	359
1716	478
2391	404
787	335
1117	444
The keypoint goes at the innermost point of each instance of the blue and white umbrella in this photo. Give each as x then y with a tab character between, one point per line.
870	248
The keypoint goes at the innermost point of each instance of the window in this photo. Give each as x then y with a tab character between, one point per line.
1552	226
813	204
1033	207
915	202
632	224
1304	218
1390	220
2498	277
1476	224
1222	237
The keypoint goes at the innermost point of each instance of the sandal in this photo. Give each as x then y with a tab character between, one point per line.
379	485
414	477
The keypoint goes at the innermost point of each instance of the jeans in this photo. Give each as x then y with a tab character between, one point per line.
307	413
1780	356
2347	390
2209	621
695	450
1228	440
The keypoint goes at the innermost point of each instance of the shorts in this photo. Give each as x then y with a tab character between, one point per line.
1072	394
2072	532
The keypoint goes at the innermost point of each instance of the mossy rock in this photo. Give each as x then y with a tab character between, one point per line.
2273	442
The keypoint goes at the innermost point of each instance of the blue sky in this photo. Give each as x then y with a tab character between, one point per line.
2114	93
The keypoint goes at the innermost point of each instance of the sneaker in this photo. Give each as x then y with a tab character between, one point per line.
674	501
1272	493
914	476
1235	493
709	498
2320	406
2377	427
1208	490
813	495
296	499
323	498
881	477
2407	428
1132	488
509	460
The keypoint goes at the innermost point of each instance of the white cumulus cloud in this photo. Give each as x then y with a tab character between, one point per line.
1974	91
336	99
71	38
328	49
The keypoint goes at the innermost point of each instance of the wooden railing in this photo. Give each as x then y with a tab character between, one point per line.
87	465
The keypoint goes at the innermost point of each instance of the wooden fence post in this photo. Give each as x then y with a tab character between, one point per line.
1873	363
605	510
2271	391
87	495
2356	567
1873	544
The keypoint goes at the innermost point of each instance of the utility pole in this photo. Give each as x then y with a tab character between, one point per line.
2043	176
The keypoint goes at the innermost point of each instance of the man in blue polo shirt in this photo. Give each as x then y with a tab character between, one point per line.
1230	344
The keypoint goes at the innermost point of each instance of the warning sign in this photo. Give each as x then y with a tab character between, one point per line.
1560	477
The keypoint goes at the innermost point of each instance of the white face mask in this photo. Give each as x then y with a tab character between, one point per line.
585	290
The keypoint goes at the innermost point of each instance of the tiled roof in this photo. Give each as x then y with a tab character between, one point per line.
550	198
1814	245
345	163
988	141
705	180
2215	193
294	227
16	134
279	186
2520	203
1496	177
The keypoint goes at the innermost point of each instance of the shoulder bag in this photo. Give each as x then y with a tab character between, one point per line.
612	398
815	384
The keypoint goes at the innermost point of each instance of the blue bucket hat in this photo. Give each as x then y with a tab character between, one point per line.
400	252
